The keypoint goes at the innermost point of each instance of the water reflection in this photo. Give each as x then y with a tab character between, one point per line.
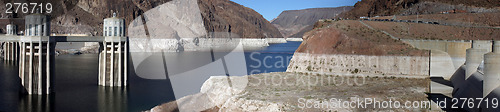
109	99
9	86
37	103
10	62
112	99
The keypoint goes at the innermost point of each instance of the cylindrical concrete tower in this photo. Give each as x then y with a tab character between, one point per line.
37	56
113	58
491	69
37	25
474	56
11	29
114	26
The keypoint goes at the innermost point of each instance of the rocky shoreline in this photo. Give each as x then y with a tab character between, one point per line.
294	39
172	45
199	44
283	91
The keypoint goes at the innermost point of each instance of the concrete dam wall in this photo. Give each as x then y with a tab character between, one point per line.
338	64
479	77
446	55
453	48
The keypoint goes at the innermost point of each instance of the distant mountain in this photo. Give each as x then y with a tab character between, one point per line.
294	23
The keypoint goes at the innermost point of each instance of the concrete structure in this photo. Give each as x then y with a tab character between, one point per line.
11	49
339	64
446	55
37	25
11	29
112	62
114	26
474	81
36	67
113	58
454	48
37	64
474	56
491	69
37	54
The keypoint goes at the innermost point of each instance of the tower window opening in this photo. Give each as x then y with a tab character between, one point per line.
36	29
43	30
121	31
109	33
115	31
29	30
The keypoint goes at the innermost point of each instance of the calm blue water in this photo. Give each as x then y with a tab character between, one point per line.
76	88
274	58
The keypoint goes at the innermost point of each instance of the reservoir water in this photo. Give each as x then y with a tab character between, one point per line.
76	88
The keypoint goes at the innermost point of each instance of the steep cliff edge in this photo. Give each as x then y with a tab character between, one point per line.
294	23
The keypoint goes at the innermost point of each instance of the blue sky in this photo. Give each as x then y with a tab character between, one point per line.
270	9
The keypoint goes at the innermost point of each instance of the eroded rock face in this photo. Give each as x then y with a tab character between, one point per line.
371	8
294	23
353	37
166	26
86	16
227	16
